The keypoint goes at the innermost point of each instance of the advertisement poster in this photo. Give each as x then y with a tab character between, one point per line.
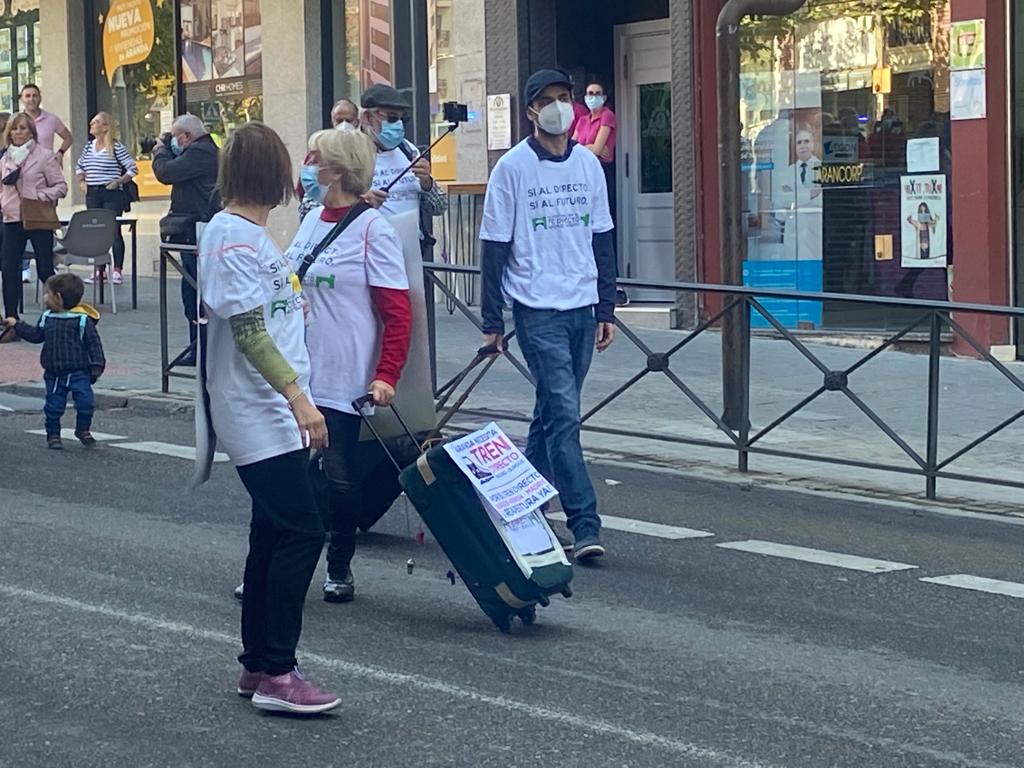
923	221
967	94
128	34
967	44
507	483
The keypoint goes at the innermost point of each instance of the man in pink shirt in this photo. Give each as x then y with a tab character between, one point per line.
48	125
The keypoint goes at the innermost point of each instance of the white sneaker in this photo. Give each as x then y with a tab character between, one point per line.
116	278
26	276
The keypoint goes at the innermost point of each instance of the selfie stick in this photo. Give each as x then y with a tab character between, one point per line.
451	128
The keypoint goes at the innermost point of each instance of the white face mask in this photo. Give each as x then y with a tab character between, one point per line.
555	118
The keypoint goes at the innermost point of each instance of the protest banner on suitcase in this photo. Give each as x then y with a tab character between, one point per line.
510	487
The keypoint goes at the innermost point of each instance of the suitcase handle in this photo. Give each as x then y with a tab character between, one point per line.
367	399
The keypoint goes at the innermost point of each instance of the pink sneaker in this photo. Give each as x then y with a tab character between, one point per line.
248	682
292	693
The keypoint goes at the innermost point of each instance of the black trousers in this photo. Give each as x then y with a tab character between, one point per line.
285	539
13	251
112	200
342	471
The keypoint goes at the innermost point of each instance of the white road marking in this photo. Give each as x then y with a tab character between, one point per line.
69	434
167	449
818	556
978	584
642	527
5	408
404	680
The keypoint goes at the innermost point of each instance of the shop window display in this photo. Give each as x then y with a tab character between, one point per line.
20	52
846	156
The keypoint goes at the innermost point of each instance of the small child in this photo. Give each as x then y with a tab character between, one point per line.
72	356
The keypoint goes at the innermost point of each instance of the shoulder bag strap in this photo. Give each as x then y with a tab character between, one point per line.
353	213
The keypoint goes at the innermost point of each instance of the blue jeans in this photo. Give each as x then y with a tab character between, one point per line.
558	347
57	389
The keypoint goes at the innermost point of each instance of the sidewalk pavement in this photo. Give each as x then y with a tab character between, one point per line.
974	398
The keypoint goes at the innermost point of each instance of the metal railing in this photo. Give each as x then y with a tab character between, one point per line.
936	318
185	359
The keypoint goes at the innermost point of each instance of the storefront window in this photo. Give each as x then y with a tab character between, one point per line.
845	109
135	78
359	46
20	59
222	62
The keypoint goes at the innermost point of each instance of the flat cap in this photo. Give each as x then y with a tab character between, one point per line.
540	80
384	96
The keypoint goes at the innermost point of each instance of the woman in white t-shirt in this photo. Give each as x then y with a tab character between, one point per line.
256	372
359	325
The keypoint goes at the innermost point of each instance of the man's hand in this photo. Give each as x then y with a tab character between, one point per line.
605	336
421	170
494	340
381	392
376	197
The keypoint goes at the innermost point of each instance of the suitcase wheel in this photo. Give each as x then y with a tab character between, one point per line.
503	623
528	615
567	592
544	601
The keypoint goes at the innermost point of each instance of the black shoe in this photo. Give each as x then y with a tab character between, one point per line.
85	438
587	549
343	591
621	298
53	443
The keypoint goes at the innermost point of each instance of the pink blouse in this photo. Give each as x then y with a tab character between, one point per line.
588	126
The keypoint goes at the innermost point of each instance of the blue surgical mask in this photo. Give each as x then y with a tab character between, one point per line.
391	134
310	179
176	148
594	102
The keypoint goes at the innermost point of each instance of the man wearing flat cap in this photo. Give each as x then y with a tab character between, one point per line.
549	254
383	118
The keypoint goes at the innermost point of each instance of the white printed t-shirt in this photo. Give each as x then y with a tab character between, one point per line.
240	268
549	210
344	333
405	195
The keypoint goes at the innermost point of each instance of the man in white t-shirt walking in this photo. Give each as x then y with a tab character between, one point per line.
548	251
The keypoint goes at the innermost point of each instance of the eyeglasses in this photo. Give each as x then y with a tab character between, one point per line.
389	115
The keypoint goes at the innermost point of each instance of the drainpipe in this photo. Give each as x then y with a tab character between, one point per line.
735	339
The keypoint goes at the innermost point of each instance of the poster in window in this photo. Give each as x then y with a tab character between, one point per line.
253	37
37	48
6	94
5	50
21	34
228	36
24	74
196	41
923	226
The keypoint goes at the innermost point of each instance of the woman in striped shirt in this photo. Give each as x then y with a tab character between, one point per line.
103	167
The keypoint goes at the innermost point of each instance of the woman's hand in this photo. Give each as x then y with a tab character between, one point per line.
82	185
115	184
382	392
312	425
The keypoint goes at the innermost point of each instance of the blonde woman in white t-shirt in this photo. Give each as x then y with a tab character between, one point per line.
359	325
256	372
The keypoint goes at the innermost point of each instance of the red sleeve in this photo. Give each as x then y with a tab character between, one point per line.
395	312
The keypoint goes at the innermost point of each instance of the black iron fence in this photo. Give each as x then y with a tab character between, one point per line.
935	320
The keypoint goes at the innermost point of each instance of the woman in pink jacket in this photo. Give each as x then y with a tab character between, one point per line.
28	171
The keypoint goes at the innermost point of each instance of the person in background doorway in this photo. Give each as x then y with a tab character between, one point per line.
48	126
103	167
551	254
596	131
186	160
29	172
344	111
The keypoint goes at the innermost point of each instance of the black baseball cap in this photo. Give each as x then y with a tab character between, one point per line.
384	96
540	80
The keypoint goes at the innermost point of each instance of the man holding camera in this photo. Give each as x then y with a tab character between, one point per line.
186	159
548	249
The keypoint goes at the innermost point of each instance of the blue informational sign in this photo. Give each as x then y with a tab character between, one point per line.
790	276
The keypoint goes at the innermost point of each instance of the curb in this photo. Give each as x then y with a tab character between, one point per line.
110	399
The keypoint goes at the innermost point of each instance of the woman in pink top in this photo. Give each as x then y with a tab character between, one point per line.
596	131
29	172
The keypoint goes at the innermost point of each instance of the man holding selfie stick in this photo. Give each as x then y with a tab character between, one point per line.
549	250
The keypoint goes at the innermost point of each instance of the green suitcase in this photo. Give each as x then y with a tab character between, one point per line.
504	582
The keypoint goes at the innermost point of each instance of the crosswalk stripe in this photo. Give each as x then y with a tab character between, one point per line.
167	449
818	556
978	584
69	434
642	527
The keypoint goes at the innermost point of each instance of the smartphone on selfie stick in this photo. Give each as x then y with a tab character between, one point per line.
454	115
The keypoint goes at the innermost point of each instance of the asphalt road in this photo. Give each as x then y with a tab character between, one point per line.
118	632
